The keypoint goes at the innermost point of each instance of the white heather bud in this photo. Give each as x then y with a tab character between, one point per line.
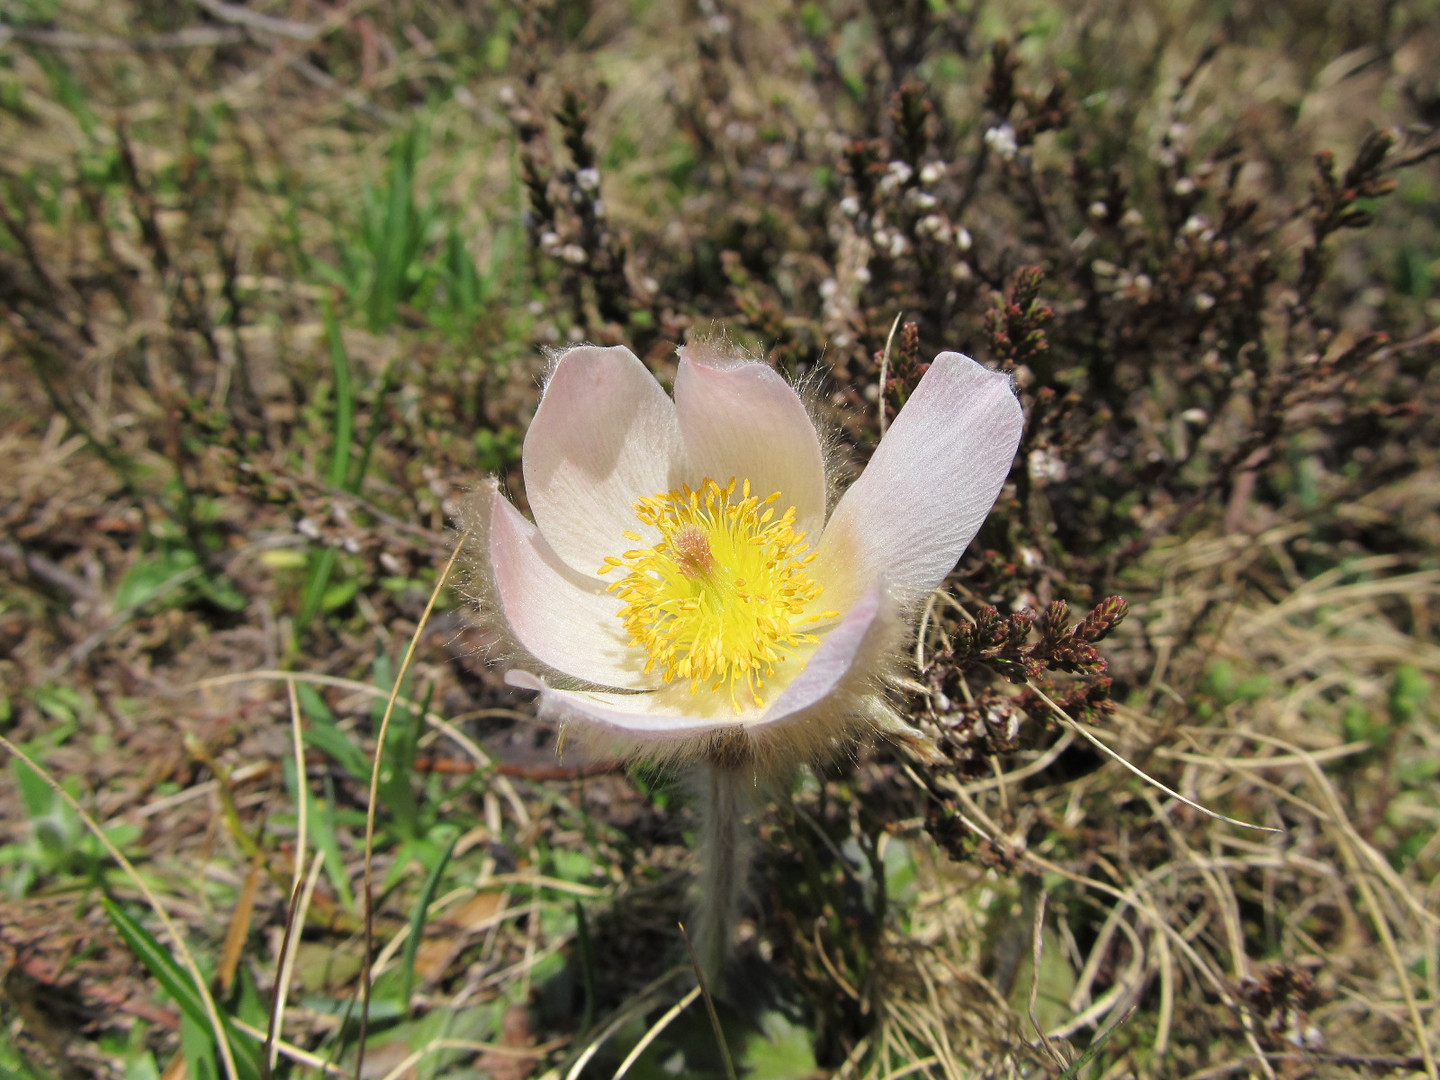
308	528
932	172
1098	210
1184	186
1197	416
1002	140
549	241
573	254
1194	225
850	206
897	175
862	275
899	245
1132	218
828	287
932	225
962	238
506	94
1044	466
920	200
1204	301
961	271
587	179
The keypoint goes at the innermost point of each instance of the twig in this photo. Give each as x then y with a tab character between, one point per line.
256	20
193	37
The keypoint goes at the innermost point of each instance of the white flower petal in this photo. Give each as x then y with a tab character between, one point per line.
928	488
633	718
858	637
742	419
604	435
561	617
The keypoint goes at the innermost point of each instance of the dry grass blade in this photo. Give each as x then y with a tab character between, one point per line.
655	1030
202	986
1037	952
912	1068
639	1005
289	949
1089	737
299	897
293	1052
370	807
239	930
1349	841
302	808
436	1045
885	369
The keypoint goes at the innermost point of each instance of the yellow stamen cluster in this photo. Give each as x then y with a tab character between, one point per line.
717	598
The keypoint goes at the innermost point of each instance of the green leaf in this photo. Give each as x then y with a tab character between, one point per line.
784	1050
34	791
337	596
156	576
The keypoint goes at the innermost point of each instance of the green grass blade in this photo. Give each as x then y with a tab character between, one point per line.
417	920
174	979
344	400
324	564
176	982
1073	1072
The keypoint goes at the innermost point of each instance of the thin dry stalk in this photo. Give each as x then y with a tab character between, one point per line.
371	803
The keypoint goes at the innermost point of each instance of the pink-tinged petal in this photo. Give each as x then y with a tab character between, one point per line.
928	488
604	435
854	640
561	617
741	418
630	718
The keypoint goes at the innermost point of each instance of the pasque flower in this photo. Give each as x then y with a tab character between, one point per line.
687	594
684	592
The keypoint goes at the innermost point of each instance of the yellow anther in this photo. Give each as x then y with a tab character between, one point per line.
713	599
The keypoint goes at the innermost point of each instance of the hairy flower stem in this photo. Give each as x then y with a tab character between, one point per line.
726	796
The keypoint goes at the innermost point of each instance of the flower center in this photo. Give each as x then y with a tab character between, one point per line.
717	598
